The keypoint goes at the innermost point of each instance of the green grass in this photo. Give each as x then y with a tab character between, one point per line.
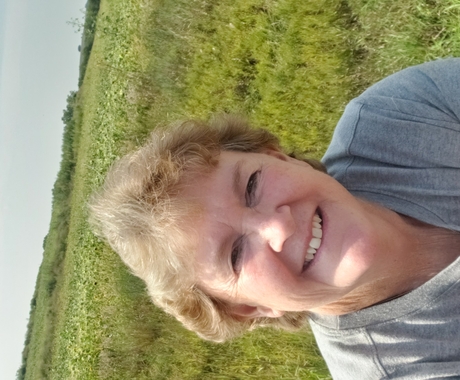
390	35
290	66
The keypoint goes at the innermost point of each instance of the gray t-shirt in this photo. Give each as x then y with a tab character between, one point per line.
398	145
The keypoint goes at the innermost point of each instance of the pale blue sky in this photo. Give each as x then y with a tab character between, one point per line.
38	68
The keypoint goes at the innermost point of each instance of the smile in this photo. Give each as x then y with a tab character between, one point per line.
315	241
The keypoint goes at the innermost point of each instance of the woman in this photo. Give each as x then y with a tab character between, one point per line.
229	233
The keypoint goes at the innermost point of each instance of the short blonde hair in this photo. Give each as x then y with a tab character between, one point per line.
138	212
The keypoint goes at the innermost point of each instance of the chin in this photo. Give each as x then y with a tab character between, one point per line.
358	261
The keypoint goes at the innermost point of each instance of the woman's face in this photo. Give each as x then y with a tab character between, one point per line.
257	247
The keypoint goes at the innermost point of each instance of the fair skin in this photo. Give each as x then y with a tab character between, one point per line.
256	234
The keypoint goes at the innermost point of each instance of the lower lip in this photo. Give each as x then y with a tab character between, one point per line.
311	263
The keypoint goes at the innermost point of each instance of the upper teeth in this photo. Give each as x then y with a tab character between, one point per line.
315	242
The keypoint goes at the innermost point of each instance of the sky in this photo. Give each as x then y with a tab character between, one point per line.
38	68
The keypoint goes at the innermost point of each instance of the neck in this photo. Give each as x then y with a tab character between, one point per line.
416	252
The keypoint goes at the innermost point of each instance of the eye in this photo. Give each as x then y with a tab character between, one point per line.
236	256
251	188
250	195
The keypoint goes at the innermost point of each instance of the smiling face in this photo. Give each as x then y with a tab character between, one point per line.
276	235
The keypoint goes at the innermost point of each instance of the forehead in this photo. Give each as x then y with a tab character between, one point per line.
213	197
227	168
207	194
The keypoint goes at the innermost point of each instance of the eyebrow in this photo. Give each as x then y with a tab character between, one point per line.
236	178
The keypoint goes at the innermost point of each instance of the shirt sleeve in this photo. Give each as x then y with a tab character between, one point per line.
435	84
398	144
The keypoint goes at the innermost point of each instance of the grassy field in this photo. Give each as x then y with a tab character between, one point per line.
290	66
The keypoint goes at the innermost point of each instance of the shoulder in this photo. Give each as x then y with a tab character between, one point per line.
397	144
434	84
408	118
377	342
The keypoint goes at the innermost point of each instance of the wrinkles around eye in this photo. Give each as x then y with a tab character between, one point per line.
237	254
251	188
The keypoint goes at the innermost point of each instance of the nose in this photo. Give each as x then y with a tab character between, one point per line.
273	228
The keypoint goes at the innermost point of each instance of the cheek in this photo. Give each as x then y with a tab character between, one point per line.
261	263
264	279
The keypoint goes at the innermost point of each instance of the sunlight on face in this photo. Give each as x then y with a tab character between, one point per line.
278	235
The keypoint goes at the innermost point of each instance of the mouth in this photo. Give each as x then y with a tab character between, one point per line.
315	242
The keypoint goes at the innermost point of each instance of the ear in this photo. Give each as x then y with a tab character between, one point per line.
284	157
248	311
277	154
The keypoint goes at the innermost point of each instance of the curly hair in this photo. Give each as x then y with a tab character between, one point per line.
139	213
